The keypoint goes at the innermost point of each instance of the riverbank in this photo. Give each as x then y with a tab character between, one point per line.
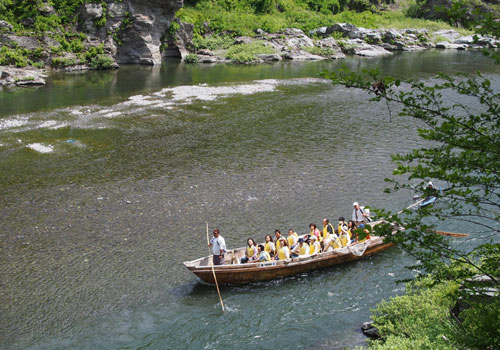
324	43
60	36
333	42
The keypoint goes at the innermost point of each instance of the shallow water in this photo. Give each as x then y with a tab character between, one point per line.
108	178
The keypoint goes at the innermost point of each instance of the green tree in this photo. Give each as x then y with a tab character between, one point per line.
461	152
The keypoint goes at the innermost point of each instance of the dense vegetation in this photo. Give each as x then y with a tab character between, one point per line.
460	118
55	19
421	319
244	17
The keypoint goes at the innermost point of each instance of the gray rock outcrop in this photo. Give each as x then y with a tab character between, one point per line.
134	29
180	43
22	76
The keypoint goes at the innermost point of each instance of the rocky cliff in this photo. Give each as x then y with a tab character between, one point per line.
133	29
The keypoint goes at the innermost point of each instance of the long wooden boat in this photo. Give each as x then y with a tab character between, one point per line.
235	273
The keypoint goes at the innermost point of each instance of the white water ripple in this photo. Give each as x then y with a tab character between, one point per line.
97	117
41	148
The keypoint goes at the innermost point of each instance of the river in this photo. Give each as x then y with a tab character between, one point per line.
107	180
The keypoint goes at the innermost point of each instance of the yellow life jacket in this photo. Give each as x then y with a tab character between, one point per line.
344	239
268	246
336	242
277	244
303	249
340	228
325	230
250	251
282	254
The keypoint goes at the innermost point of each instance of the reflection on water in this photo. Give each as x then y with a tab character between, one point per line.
109	87
108	179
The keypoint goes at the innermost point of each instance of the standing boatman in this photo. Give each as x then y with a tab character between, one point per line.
359	216
218	245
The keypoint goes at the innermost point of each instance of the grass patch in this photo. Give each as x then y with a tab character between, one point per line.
388	19
320	51
213	42
440	39
27	78
243	20
245	53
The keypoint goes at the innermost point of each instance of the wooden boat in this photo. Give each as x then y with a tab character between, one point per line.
235	273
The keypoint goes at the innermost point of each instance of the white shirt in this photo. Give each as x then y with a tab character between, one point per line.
357	215
218	244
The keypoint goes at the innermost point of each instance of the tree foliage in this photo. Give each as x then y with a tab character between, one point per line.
459	120
463	153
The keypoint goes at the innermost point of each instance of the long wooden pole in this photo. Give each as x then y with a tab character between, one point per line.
213	271
444	233
453	234
411	206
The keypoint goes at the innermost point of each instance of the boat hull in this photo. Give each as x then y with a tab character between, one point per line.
256	272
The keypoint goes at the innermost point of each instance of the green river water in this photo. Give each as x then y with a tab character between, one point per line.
107	180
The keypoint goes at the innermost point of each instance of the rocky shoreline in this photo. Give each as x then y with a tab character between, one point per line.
337	41
334	42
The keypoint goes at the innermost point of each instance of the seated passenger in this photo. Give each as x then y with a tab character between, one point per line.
331	243
251	252
363	235
351	228
314	246
300	249
263	255
283	251
345	239
277	235
292	238
342	226
269	246
313	230
327	229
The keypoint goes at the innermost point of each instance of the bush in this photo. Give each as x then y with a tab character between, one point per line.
421	319
76	45
15	57
191	58
247	52
60	62
482	326
93	51
418	319
101	61
174	27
